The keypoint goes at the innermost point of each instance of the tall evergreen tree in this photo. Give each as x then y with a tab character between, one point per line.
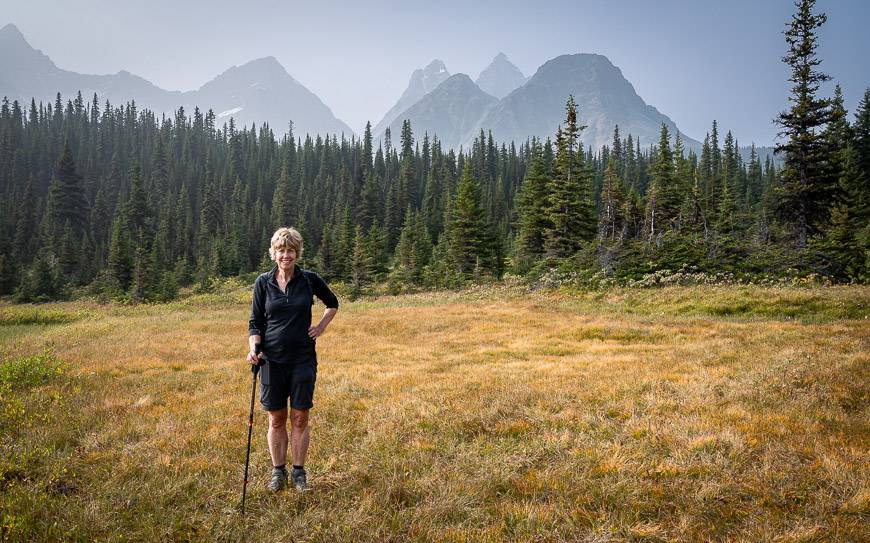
120	259
663	204
849	236
470	244
610	221
532	204
754	178
371	199
359	271
413	250
283	201
376	253
837	134
367	148
571	207
805	188
66	197
861	135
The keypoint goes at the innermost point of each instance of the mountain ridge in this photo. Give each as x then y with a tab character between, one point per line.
422	81
275	97
604	98
450	111
262	91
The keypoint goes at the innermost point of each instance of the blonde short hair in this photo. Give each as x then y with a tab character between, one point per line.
286	238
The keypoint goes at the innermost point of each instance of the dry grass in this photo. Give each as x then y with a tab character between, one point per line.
480	416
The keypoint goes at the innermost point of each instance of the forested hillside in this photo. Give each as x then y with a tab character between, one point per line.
128	205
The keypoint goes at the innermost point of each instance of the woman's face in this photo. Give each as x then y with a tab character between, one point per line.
285	257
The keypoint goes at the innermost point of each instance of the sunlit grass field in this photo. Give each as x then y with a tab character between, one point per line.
492	414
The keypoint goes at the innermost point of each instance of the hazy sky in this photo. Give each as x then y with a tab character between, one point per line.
694	60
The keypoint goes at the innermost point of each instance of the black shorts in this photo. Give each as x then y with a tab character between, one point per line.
280	382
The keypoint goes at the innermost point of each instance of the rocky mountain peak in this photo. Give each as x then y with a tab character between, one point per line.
501	77
422	82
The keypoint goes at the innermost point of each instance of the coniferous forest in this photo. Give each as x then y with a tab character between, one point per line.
109	200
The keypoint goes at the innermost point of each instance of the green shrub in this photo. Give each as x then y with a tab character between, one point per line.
22	315
29	371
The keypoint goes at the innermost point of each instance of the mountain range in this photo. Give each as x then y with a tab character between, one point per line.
458	109
451	106
256	92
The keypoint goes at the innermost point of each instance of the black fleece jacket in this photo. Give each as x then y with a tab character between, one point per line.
282	319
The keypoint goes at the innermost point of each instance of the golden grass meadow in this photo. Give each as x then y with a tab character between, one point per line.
492	414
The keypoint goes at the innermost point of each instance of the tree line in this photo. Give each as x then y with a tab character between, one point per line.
121	203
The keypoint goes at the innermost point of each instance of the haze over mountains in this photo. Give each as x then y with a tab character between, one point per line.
452	111
422	82
536	106
256	92
501	77
453	107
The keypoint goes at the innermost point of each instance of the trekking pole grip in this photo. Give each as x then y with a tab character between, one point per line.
256	367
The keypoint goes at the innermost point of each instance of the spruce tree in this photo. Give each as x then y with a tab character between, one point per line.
610	221
24	243
468	231
848	239
805	187
433	208
142	279
729	171
283	201
861	136
137	208
376	255
359	270
66	197
663	204
754	178
571	208
370	205
726	214
367	148
393	215
325	256
837	134
413	250
532	204
120	259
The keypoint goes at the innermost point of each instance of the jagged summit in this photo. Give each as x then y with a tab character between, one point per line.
434	67
501	77
11	30
14	44
450	111
604	99
422	82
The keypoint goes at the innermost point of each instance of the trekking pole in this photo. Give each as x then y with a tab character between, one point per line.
255	368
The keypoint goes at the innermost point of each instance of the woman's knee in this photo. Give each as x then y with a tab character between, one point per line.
278	419
299	418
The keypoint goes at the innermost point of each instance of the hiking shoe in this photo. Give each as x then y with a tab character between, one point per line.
300	481
279	479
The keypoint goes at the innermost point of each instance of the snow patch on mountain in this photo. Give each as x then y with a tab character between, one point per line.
229	112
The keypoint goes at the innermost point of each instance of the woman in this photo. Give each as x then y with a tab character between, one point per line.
281	332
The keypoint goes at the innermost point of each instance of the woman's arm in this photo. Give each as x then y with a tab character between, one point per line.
322	291
257	322
315	331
